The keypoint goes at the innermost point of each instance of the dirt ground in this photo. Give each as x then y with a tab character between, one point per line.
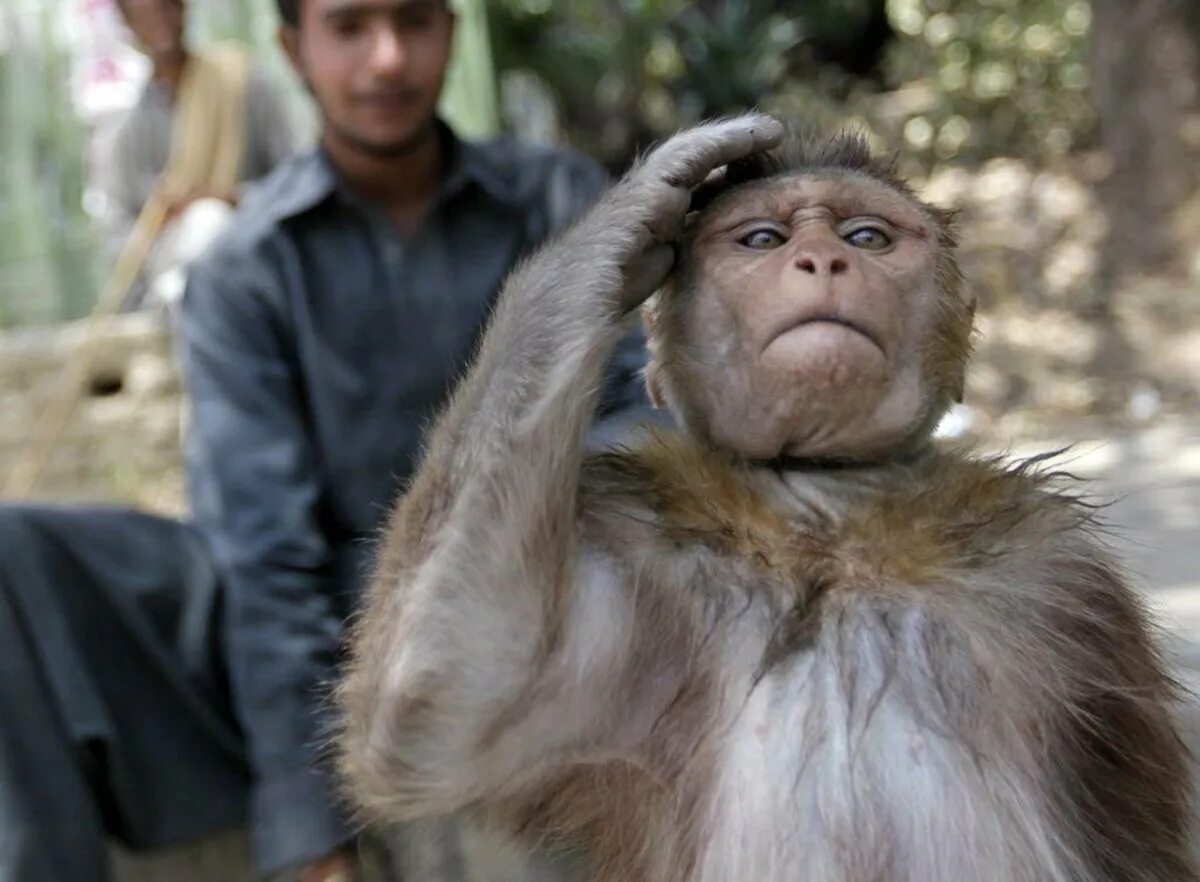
1150	478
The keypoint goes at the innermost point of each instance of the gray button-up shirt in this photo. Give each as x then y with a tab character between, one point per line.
318	343
131	156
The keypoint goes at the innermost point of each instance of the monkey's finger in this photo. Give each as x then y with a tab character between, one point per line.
668	211
687	159
646	273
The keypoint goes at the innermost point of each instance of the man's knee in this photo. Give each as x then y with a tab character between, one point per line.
16	528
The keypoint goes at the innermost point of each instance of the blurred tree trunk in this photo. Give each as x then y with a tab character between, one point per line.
1144	80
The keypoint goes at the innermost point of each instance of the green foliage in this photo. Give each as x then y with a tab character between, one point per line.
625	73
46	241
988	77
962	79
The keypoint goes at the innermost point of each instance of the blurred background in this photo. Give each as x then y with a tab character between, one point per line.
1068	147
1065	132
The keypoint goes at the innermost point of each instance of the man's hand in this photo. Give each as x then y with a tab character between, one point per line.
640	218
338	867
179	204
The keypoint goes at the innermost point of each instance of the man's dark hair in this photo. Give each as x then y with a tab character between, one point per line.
289	11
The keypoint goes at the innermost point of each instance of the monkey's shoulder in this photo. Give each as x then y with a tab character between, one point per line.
955	515
916	522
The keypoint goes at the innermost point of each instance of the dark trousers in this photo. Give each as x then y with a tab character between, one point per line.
115	719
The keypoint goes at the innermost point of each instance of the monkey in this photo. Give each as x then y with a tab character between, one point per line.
794	638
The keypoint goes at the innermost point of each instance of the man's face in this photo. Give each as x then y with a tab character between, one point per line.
375	67
157	25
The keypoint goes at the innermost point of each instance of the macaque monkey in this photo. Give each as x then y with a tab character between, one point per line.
793	640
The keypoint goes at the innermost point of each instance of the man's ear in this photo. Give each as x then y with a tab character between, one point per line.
289	42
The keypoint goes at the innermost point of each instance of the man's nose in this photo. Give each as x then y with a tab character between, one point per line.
389	55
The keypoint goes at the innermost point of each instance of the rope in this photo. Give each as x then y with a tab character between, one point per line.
207	143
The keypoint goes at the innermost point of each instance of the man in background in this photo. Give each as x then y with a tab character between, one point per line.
320	338
160	679
206	122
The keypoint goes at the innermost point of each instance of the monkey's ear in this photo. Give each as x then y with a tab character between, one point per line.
650	315
972	304
653	377
958	389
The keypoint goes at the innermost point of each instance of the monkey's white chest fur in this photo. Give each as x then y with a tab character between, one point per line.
831	768
866	718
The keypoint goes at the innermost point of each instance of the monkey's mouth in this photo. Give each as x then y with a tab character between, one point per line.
827	319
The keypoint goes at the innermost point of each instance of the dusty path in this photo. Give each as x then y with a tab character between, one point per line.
1152	477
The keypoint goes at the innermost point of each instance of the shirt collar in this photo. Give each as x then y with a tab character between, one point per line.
467	163
310	182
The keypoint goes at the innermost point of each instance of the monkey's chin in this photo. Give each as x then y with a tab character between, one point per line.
826	354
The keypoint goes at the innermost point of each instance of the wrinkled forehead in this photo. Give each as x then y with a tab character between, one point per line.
843	192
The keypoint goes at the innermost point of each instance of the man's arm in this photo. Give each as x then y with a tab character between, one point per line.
124	176
271	135
256	488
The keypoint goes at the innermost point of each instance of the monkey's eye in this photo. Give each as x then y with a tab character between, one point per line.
868	238
762	239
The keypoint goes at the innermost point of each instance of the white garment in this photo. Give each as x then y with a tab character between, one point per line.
186	238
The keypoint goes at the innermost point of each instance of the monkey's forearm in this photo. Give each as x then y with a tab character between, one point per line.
478	576
506	453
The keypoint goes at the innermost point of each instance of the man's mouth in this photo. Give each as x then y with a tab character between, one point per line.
389	102
402	98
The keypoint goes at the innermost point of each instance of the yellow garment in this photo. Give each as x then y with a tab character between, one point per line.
207	144
210	124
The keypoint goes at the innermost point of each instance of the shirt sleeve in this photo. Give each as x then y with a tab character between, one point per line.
256	490
271	133
573	184
125	187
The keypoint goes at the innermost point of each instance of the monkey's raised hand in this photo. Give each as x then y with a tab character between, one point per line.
632	229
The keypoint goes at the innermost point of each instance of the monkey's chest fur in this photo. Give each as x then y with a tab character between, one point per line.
895	532
853	660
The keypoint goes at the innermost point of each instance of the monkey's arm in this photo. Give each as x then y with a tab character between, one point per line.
1129	764
488	645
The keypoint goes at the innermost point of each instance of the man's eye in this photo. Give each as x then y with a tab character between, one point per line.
762	240
415	22
348	27
419	17
868	238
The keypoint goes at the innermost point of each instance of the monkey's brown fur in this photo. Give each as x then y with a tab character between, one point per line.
913	666
932	523
844	155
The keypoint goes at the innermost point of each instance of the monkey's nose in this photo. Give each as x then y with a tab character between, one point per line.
814	265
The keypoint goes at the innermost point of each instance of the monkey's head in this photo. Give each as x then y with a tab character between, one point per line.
816	311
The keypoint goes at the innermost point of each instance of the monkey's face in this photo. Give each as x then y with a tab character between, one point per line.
807	319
